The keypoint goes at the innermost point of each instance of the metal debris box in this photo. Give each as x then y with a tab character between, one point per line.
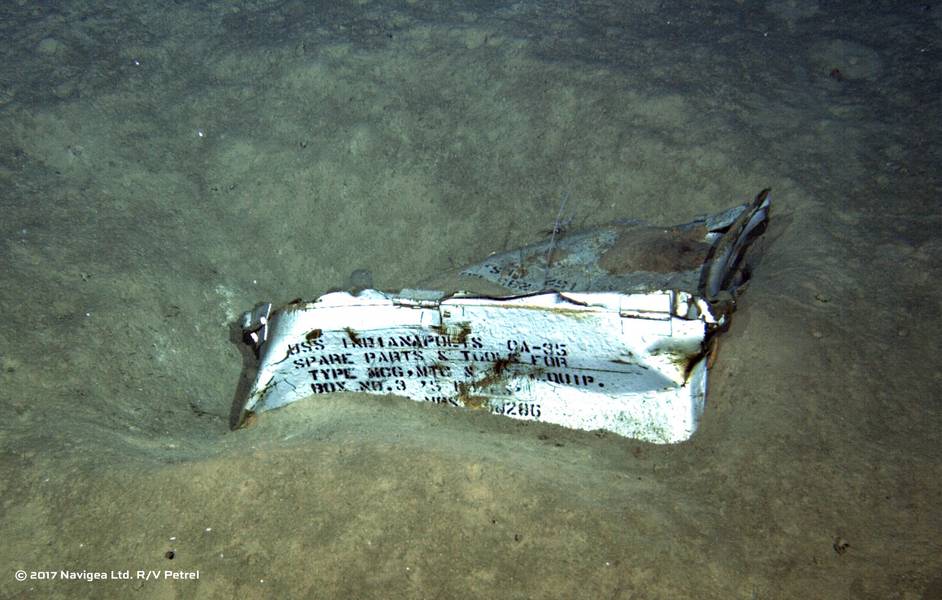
602	329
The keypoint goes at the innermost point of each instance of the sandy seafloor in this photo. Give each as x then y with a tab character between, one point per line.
166	165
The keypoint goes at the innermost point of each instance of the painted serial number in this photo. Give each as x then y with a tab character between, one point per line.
518	409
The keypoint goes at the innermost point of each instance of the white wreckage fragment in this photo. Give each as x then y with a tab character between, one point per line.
604	329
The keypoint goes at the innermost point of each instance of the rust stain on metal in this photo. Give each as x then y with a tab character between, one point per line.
464	330
249	419
458	332
713	349
353	335
470	400
657	250
498	372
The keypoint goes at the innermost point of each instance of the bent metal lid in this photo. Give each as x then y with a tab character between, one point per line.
605	329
